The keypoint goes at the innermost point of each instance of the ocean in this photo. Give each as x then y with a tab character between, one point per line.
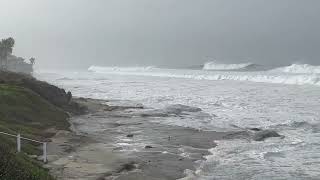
231	97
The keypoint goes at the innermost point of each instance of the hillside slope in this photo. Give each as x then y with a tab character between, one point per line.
29	107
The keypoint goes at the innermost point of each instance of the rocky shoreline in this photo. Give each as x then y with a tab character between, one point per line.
128	147
112	142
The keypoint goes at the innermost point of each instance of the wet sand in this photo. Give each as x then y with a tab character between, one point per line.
112	142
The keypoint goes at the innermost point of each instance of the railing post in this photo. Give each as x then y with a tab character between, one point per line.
18	143
44	152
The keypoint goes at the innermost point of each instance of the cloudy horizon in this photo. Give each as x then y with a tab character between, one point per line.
80	33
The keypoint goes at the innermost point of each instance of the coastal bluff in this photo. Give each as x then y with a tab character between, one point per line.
55	95
32	108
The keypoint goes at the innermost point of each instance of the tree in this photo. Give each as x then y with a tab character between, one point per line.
32	60
2	54
6	48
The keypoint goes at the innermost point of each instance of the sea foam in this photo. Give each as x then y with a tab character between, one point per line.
118	68
273	76
223	67
299	69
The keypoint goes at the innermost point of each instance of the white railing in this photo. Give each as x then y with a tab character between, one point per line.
18	136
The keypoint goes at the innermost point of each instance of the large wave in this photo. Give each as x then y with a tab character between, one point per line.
213	65
299	69
263	77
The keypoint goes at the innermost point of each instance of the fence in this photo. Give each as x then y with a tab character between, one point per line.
18	136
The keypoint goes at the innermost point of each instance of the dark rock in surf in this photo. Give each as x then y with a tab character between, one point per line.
255	129
238	135
154	113
262	135
178	108
127	167
171	110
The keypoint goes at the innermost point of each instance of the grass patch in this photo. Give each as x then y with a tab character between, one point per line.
25	112
17	166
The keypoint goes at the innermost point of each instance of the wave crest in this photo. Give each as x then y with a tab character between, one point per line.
224	67
120	69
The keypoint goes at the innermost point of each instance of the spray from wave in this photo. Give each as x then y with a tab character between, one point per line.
299	69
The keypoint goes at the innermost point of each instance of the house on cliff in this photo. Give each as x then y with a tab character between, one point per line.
18	64
9	62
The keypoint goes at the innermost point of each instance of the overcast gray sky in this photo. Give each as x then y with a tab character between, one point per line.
80	33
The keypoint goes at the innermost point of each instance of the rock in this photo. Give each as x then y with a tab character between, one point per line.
55	95
148	147
238	135
178	108
117	149
83	99
154	113
127	167
76	108
262	135
130	135
255	129
175	109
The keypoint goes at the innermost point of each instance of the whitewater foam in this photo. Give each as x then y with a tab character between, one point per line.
261	77
118	68
299	69
213	65
294	157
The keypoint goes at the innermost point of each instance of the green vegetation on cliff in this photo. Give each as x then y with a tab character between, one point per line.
29	107
26	111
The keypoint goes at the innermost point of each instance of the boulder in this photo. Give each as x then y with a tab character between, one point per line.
262	135
255	129
130	135
178	108
127	167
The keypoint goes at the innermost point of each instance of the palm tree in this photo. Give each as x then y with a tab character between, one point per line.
6	48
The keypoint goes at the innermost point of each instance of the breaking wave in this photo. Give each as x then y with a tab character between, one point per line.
262	77
117	68
299	69
224	67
